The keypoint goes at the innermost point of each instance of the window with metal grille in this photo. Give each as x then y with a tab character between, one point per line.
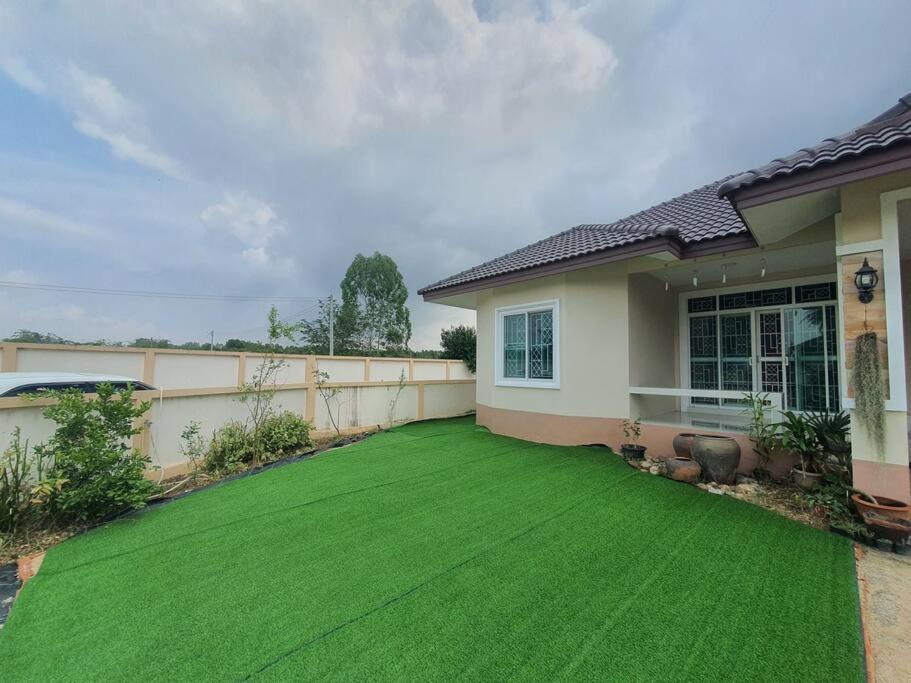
527	354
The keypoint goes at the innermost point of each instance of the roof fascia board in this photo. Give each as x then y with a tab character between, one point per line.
894	159
623	253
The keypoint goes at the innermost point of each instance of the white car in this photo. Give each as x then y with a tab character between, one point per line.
21	383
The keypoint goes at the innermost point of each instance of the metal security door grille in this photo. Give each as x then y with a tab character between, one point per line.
771	365
736	354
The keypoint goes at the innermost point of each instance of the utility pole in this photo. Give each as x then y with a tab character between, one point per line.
211	340
331	325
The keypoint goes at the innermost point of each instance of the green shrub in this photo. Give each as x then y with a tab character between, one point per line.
230	450
285	434
96	470
460	342
22	486
232	444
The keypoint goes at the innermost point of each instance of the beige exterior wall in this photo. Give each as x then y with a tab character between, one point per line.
593	344
653	343
863	220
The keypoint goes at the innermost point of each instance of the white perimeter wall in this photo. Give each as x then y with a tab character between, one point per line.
202	387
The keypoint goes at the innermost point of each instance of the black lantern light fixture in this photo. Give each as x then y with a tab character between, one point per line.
866	280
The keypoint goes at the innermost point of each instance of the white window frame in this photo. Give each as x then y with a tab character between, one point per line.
499	315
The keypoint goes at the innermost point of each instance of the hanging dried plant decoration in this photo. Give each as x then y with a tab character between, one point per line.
869	392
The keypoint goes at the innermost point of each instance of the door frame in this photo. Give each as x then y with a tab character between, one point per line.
683	374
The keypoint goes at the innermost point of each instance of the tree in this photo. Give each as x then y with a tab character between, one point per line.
460	342
315	333
257	393
32	337
373	305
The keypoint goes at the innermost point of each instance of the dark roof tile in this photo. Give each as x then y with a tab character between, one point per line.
889	128
695	216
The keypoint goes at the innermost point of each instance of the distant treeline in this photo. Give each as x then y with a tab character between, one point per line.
32	337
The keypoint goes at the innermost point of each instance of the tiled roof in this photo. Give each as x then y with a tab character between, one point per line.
889	128
694	217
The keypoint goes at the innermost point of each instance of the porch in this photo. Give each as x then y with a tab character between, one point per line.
780	319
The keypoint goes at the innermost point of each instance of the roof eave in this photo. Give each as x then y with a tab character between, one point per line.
622	253
823	177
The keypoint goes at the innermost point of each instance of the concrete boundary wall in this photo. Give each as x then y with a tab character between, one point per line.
179	369
202	386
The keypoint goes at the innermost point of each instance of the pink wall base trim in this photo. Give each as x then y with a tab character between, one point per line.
566	430
883	479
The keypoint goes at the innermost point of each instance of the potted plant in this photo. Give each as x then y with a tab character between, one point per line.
775	460
880	506
798	436
832	430
632	430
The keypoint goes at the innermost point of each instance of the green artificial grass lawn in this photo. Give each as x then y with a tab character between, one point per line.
440	551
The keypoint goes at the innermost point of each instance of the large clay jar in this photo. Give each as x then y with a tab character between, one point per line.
683	445
719	457
683	469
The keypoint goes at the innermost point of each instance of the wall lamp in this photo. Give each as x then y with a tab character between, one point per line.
866	280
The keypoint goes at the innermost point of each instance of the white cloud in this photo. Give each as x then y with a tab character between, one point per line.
252	222
16	216
22	74
104	113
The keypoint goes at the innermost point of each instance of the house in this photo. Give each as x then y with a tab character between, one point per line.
671	314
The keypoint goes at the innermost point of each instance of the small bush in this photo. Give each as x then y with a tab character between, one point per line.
232	444
285	434
230	450
94	470
21	499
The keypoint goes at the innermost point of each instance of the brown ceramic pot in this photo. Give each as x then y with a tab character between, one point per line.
683	445
719	457
683	469
885	507
808	481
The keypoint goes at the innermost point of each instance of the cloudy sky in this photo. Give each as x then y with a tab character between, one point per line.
252	148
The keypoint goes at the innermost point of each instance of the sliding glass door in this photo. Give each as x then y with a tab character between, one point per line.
788	349
810	359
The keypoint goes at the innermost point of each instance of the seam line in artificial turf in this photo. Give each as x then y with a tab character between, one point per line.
268	513
417	587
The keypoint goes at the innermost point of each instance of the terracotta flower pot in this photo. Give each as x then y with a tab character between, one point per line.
683	445
808	481
683	469
885	507
718	456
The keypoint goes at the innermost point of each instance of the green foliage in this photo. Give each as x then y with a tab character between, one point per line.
231	448
32	337
284	434
832	433
193	446
834	499
460	342
21	501
799	437
373	309
258	392
90	453
765	435
869	392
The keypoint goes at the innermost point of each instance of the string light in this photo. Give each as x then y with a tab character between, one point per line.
724	273
762	269
695	278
